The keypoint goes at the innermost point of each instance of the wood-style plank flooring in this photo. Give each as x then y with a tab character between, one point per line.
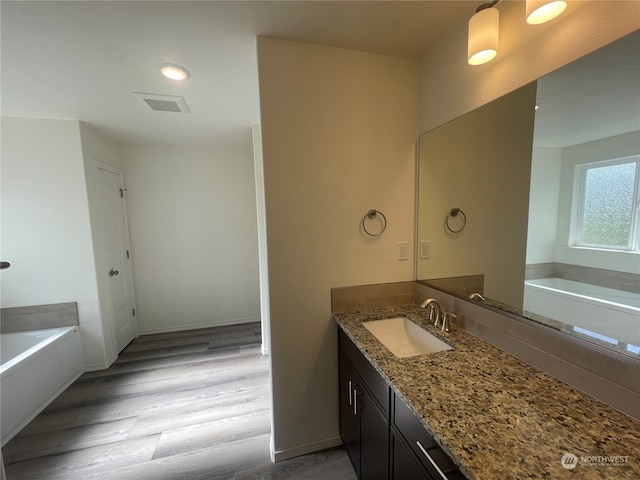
190	405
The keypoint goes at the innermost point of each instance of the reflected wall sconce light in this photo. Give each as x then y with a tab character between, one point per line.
484	26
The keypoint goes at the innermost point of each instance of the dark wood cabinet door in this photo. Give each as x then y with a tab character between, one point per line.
349	416
377	385
374	439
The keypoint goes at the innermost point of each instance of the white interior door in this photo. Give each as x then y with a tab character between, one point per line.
111	195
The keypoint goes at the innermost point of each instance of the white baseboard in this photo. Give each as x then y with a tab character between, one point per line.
282	455
195	326
99	366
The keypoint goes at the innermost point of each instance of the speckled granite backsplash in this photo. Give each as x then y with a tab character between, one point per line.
497	417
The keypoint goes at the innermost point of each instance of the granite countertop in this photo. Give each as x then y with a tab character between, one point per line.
496	416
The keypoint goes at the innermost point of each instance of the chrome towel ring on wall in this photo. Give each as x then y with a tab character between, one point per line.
452	214
372	214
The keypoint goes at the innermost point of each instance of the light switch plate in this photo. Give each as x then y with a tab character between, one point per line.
425	249
403	250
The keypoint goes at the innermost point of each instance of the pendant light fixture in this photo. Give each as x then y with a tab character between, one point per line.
483	34
541	11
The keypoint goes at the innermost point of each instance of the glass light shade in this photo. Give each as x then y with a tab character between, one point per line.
483	36
174	72
541	11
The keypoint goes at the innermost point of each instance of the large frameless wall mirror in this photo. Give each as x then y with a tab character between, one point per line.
548	178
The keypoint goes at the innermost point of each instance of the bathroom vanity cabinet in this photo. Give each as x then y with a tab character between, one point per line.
426	403
383	437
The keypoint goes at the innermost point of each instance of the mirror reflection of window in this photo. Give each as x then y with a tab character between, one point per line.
607	211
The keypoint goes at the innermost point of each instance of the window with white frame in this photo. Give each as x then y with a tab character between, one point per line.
608	202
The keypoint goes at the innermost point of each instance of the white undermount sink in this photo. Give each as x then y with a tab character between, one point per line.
404	338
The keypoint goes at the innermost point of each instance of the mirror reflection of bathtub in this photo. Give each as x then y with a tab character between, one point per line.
606	314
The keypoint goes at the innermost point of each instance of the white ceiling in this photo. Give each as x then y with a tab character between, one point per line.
597	96
84	60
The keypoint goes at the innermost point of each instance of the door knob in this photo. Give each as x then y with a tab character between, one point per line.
113	273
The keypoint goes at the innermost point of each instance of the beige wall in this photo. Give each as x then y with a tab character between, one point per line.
339	130
450	87
463	164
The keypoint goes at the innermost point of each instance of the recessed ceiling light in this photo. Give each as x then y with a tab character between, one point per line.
174	72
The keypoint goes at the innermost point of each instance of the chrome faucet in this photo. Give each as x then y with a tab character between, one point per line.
476	295
435	310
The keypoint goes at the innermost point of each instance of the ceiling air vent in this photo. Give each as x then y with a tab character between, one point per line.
163	103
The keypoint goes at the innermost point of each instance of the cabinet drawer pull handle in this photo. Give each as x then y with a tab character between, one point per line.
431	460
355	402
350	393
356	393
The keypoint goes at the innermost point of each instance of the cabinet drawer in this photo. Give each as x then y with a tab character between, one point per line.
425	448
404	465
374	381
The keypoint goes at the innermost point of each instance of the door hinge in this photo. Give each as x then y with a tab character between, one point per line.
134	311
128	255
122	190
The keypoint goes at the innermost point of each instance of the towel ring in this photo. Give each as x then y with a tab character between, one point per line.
454	213
371	214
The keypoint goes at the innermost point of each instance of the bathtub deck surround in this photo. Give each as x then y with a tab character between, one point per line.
43	364
496	416
41	357
38	317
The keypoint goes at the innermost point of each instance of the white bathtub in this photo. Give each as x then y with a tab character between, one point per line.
36	367
614	315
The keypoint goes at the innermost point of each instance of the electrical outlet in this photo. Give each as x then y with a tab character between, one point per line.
403	251
425	249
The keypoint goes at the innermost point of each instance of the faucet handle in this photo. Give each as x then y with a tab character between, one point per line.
436	322
446	321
